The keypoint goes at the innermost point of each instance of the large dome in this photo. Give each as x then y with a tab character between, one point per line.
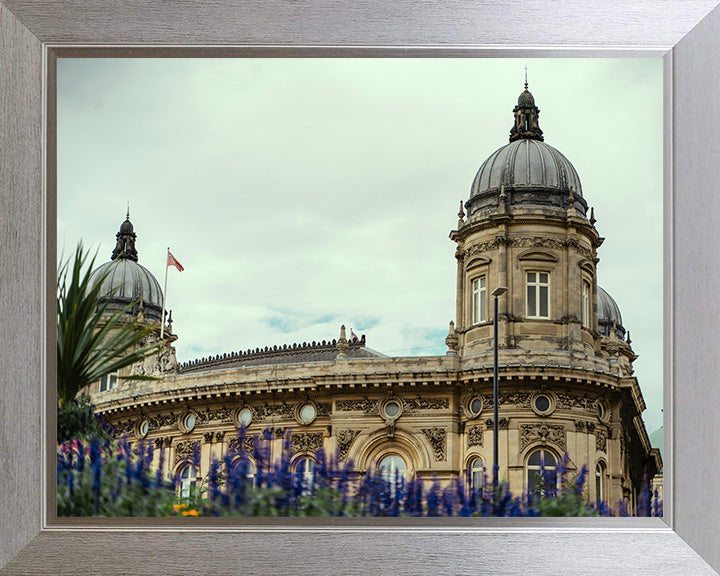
526	165
126	281
609	315
527	171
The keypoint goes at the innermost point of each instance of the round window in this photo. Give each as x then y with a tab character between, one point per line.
600	410
542	403
143	428
475	406
391	409
189	422
307	413
245	416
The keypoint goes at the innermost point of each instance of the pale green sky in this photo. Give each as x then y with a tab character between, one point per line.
303	194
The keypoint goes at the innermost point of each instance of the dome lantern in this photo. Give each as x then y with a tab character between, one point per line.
526	118
125	244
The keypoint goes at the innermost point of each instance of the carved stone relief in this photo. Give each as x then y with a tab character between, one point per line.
438	440
521	399
306	441
345	438
527	242
475	435
162	420
165	442
410	405
601	440
503	423
219	414
246	447
567	401
184	450
554	433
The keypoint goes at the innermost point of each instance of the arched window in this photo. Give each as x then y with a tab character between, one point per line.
599	481
188	480
245	469
476	473
305	472
392	470
541	462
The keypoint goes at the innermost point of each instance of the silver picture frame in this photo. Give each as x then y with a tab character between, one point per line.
685	33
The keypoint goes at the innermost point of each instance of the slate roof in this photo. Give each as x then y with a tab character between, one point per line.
285	354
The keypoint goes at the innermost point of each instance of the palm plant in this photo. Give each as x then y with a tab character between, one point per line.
91	342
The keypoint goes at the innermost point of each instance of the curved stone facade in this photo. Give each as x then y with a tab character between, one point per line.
566	384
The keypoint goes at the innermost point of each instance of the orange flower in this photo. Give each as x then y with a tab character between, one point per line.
190	513
177	507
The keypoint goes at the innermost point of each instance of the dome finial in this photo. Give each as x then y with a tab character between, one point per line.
125	244
526	117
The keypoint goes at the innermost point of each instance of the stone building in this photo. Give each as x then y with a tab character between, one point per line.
565	358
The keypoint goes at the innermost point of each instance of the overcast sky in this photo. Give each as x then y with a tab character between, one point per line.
300	195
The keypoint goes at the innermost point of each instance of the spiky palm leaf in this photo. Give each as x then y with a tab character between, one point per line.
92	343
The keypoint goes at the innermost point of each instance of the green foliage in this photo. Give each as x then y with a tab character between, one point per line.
76	419
100	481
92	343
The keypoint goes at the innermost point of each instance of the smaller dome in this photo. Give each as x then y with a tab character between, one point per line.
126	227
526	99
609	314
127	281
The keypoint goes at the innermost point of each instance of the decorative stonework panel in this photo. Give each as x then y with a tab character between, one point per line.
410	405
527	242
415	404
306	441
554	433
520	399
362	405
247	447
567	401
162	421
163	442
219	414
124	427
324	408
438	440
503	423
184	450
475	435
345	438
601	440
285	411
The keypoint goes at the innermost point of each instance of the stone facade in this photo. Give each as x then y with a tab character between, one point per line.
565	385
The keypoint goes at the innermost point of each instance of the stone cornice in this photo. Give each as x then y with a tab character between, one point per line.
364	381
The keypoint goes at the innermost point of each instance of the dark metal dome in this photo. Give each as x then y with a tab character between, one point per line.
527	171
609	314
126	281
526	164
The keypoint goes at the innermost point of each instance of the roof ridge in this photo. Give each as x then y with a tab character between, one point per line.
275	350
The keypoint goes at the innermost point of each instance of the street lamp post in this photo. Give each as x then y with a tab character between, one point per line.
499	291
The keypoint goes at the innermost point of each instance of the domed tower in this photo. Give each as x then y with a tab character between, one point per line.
126	281
526	230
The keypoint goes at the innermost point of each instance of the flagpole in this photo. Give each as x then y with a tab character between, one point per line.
162	312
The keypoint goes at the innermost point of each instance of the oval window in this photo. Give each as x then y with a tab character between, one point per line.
189	422
307	413
392	409
475	406
245	416
143	429
542	403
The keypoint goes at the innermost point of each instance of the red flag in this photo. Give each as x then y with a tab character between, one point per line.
172	262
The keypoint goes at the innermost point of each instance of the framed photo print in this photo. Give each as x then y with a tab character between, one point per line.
332	358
